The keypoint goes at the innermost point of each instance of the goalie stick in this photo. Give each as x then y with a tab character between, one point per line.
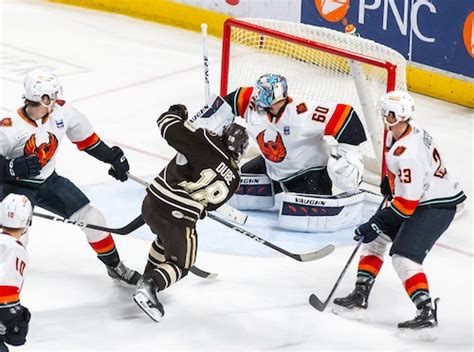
305	257
130	227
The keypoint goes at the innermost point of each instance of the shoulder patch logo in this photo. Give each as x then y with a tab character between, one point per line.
301	108
6	122
399	150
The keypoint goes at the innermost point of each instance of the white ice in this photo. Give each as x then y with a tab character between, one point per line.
122	73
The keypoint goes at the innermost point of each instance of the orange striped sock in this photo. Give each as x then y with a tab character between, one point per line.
106	251
369	267
417	288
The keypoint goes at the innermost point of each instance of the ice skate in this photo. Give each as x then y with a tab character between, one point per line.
146	298
122	273
354	304
424	325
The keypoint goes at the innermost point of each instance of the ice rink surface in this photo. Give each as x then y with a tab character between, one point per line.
123	73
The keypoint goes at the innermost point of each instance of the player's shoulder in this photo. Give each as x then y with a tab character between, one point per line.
11	121
9	244
63	105
407	147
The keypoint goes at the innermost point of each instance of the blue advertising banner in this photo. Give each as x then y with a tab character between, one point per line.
436	33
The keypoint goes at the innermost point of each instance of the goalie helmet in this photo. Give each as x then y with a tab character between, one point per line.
400	103
237	139
16	211
39	83
270	89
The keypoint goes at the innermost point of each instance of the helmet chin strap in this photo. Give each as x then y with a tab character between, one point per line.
49	106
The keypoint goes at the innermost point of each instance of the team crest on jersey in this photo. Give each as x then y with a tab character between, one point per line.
6	122
45	151
399	150
286	130
301	108
272	150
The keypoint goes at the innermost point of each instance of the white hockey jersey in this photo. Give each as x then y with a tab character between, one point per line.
13	262
20	135
293	142
417	174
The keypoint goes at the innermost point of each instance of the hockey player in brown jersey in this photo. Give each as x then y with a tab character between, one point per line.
201	177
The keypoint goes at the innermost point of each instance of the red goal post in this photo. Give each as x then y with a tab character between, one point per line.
319	64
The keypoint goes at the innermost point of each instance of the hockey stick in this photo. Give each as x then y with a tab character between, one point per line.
205	56
314	300
305	257
130	227
225	210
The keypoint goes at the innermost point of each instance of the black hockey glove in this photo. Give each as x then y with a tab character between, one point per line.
180	110
119	164
17	328
370	230
24	166
385	187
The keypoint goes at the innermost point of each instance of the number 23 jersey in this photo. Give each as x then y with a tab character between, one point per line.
417	174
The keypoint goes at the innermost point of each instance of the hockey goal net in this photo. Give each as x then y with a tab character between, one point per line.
320	64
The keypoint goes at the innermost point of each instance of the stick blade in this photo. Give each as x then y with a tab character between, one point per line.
203	274
319	254
316	303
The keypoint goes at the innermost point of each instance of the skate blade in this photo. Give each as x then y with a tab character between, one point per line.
424	334
353	313
143	302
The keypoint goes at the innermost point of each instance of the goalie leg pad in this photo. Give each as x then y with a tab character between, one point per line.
318	213
255	192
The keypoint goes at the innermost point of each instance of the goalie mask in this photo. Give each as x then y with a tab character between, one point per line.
16	211
237	139
270	89
400	103
39	83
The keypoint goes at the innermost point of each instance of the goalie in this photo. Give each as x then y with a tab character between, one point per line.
305	147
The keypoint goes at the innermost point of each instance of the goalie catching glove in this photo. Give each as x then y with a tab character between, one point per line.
345	167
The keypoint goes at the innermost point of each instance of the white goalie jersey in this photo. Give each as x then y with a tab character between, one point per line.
13	262
293	142
20	135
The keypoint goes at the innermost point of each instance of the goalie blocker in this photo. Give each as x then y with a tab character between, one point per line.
318	213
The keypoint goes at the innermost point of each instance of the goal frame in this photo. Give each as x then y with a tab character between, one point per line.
390	68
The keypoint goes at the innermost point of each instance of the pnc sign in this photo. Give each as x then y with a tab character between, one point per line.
332	10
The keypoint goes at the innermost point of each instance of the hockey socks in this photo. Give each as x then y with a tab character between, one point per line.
106	251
